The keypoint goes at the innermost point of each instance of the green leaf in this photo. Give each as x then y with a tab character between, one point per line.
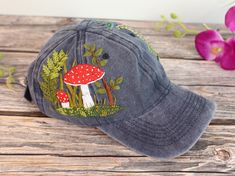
119	80
50	64
74	62
54	75
94	60
1	72
62	54
169	27
98	84
87	46
93	47
50	71
112	83
46	70
101	91
12	69
116	87
98	52
174	16
103	62
177	34
87	54
9	81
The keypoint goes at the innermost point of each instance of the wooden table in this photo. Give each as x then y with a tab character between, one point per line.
32	144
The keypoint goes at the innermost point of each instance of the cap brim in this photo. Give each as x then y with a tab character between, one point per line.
168	130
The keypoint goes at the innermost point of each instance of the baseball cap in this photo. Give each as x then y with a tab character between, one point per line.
103	74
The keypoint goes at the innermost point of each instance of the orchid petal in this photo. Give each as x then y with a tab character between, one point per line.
209	44
227	61
230	19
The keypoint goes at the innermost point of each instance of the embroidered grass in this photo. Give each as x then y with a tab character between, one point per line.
97	110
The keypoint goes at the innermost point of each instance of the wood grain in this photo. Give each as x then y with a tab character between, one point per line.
49	145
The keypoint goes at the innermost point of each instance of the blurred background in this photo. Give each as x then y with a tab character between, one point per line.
198	11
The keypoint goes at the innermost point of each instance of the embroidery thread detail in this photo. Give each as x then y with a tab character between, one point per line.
69	92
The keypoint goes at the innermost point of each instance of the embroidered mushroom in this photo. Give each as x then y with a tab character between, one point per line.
63	98
83	75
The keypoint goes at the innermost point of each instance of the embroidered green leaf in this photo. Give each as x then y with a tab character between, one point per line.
62	54
94	60
112	83
116	87
98	84
50	73
50	63
87	46
54	75
46	70
98	52
119	80
103	62
87	54
74	62
101	91
92	47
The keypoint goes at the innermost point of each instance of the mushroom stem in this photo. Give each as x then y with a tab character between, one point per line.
65	105
86	97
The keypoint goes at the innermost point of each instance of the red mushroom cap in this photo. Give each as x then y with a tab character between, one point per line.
83	74
62	96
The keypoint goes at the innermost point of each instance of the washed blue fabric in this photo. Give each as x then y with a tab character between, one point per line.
158	118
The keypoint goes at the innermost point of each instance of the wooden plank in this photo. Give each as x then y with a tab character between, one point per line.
46	145
103	173
22	135
49	163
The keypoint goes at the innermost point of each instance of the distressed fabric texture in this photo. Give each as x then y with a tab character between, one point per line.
154	116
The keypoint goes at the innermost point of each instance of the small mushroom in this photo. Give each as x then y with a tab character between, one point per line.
63	98
83	75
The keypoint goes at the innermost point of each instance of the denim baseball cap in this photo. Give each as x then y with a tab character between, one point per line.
105	75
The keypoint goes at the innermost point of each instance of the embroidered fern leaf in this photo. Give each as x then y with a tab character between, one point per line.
50	73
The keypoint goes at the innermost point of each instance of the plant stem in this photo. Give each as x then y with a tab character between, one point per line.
106	86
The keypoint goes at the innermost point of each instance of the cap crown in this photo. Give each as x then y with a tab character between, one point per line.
131	79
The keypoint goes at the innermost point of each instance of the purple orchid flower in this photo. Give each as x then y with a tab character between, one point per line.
209	44
227	60
230	19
